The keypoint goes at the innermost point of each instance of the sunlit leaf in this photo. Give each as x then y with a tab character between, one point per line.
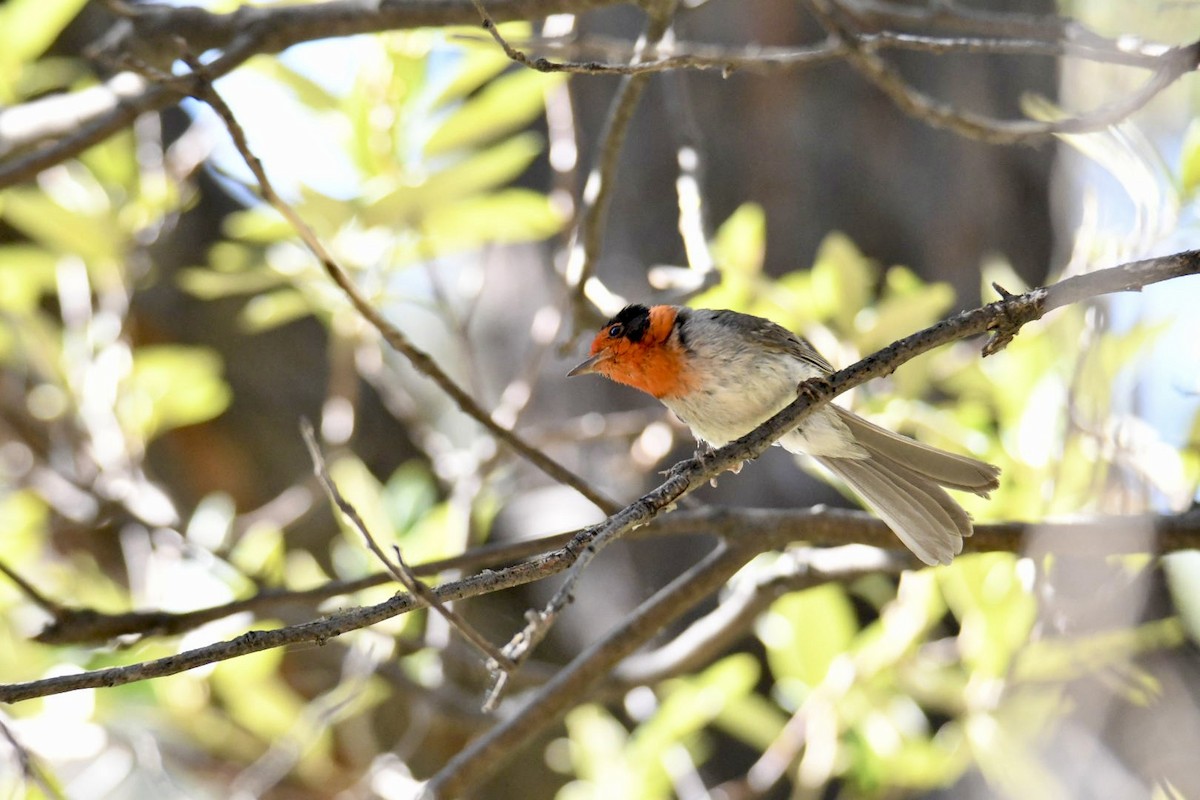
209	284
305	89
27	28
255	696
752	719
89	236
512	215
27	273
274	309
507	104
477	66
741	242
898	315
172	386
805	631
693	702
489	169
1066	659
409	495
597	745
364	492
843	280
261	225
1189	166
995	610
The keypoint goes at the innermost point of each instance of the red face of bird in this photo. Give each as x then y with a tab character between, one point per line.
636	348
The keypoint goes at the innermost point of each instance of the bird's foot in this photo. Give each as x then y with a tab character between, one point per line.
814	389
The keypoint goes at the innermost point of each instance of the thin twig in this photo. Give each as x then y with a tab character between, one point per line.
715	632
1171	65
597	193
250	30
30	771
48	130
39	599
398	569
419	359
700	57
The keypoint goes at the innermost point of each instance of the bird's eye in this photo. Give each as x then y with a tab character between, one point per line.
615	331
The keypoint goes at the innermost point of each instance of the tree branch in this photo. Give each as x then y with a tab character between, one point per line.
1172	64
72	124
586	671
1004	318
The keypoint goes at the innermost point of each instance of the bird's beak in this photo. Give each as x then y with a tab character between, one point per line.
588	367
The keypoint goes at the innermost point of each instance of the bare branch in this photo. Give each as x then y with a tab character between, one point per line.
149	34
1171	65
714	633
767	528
31	772
586	671
318	631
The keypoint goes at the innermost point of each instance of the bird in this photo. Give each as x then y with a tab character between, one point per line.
723	373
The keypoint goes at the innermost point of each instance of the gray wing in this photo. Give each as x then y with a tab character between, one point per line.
770	336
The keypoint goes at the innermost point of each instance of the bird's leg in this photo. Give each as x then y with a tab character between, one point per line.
701	455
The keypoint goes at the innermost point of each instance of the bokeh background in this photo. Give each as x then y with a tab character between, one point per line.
163	335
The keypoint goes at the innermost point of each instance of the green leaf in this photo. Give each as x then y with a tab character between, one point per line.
305	89
171	386
86	234
507	104
843	280
741	242
901	313
752	719
805	631
261	225
995	610
274	309
694	702
209	284
325	214
26	274
1183	582
409	495
27	28
478	66
513	215
1189	161
495	166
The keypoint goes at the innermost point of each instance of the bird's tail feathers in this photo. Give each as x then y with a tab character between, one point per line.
927	520
945	469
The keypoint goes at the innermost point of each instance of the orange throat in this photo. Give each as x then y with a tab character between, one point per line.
657	364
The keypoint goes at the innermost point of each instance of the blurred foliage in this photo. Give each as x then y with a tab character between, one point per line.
435	143
902	686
